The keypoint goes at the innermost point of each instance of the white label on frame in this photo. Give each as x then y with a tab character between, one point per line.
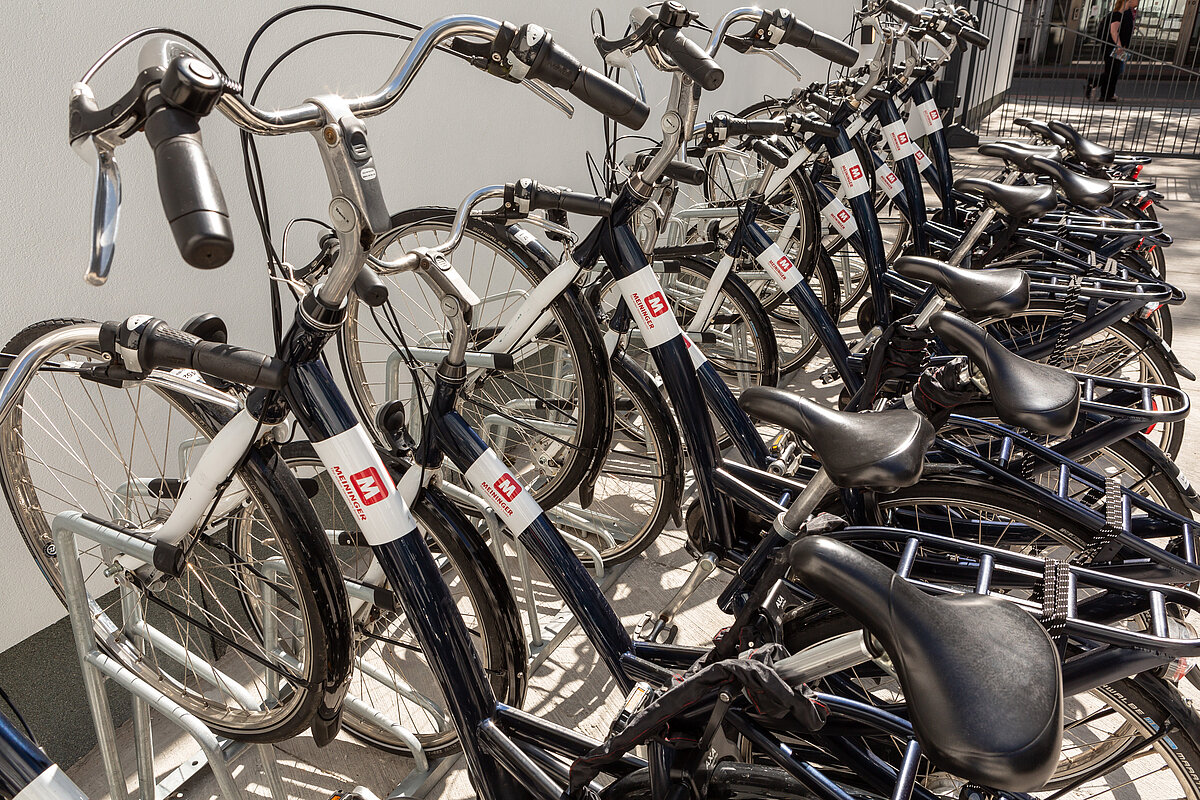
366	485
780	267
923	161
889	181
840	217
898	140
648	303
491	479
698	358
850	172
928	115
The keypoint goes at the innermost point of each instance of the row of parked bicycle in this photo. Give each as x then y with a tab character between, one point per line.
959	556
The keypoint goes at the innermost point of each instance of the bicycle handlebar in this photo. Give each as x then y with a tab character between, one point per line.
691	58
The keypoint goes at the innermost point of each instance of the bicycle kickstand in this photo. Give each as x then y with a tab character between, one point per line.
660	628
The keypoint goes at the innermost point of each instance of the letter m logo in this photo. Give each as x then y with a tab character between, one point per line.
507	487
656	304
369	487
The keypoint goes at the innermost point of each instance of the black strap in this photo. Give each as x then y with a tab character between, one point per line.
1056	601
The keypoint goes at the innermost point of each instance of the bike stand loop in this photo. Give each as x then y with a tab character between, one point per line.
215	752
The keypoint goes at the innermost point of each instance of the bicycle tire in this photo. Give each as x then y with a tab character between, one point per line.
645	412
317	593
493	617
550	464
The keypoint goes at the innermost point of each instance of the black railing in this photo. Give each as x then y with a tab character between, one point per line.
1157	110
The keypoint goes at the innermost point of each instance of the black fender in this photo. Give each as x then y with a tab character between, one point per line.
1160	344
1168	468
624	368
470	545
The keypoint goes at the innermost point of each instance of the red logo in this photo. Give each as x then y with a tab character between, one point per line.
657	304
842	216
890	178
784	264
856	172
902	137
507	487
368	486
933	115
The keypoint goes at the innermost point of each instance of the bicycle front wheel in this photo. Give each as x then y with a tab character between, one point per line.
124	453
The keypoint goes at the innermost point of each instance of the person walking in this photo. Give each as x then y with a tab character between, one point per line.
1118	31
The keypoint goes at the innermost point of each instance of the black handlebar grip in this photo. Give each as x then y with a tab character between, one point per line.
369	287
905	12
550	198
765	127
823	102
552	64
807	124
769	152
191	195
683	172
610	99
238	365
691	58
977	38
832	49
801	34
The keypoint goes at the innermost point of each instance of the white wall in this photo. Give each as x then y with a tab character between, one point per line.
457	129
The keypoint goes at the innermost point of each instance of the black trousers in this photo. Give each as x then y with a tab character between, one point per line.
1113	68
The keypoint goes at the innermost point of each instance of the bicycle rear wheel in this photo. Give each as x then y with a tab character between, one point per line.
542	415
124	453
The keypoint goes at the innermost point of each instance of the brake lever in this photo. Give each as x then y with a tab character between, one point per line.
550	95
106	213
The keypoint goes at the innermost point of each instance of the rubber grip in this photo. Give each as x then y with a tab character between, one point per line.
809	125
905	12
589	205
974	37
769	152
163	347
692	59
761	127
832	49
238	365
610	99
191	196
683	172
369	287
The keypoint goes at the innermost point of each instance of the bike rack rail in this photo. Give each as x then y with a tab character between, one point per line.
215	752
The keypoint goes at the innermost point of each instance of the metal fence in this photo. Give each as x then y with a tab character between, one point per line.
1157	111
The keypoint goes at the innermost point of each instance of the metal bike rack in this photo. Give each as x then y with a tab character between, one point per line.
215	752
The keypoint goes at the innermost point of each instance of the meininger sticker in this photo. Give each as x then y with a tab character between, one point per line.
850	172
648	302
381	513
898	140
923	161
780	267
929	117
840	217
889	181
698	358
490	478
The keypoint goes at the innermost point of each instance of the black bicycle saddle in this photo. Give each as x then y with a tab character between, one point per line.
883	450
1079	189
1018	202
1018	152
1040	128
1038	397
1089	152
984	292
981	678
